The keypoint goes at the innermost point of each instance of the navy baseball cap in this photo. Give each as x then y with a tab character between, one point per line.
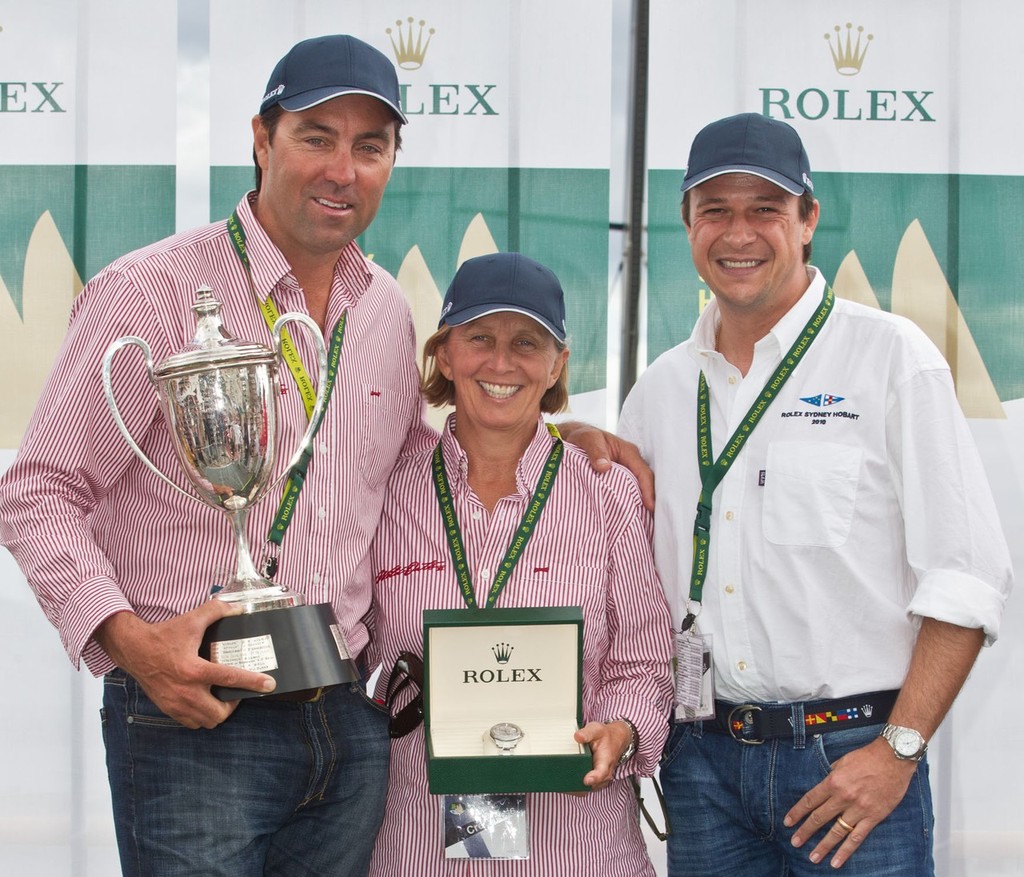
322	68
505	282
750	144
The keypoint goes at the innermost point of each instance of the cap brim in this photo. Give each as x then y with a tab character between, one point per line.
298	102
791	186
467	315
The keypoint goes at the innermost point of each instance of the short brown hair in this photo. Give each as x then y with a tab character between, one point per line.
439	391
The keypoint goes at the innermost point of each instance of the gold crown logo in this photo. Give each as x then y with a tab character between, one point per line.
848	55
502	652
410	49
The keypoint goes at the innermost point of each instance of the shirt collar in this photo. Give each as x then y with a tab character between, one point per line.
785	332
528	469
352	272
782	335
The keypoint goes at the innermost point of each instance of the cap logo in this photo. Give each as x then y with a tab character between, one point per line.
446	309
410	49
274	93
807	183
847	55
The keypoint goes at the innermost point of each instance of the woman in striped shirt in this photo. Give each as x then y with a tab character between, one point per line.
500	357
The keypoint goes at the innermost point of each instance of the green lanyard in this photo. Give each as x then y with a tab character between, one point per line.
526	526
711	473
297	474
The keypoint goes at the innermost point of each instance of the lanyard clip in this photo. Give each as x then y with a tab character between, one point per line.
702	524
269	567
692	611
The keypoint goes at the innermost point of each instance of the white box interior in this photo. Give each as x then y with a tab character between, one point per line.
536	687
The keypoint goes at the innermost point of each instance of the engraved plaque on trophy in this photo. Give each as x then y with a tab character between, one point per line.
219	397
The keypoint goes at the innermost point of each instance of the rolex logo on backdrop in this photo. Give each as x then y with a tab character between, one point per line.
502	655
847	55
847	47
409	47
410	41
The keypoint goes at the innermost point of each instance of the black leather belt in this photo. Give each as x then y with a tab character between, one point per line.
304	695
754	723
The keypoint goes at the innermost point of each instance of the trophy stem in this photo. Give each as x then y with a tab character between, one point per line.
248	586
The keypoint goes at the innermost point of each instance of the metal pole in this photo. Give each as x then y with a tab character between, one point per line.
636	181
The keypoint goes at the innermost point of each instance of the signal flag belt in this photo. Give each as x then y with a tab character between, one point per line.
756	722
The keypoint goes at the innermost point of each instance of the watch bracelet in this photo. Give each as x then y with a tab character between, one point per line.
634	739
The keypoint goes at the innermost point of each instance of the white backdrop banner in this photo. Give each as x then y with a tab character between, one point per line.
916	161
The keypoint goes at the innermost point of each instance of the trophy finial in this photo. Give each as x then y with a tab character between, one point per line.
210	330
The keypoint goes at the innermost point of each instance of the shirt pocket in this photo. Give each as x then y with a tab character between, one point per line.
387	417
810	493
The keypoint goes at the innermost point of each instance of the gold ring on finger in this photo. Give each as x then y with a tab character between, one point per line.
844	825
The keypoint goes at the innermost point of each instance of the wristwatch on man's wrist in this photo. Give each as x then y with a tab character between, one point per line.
907	744
630	750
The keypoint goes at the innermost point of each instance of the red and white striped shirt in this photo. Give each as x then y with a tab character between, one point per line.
95	532
592	548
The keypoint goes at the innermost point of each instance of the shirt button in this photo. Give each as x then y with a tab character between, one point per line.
316	577
321	513
323	447
732	379
485	574
475	514
741	665
729	589
729	516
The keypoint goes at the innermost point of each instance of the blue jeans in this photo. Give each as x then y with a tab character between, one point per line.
726	801
280	788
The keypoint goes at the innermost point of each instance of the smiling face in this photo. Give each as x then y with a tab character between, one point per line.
324	172
746	239
501	365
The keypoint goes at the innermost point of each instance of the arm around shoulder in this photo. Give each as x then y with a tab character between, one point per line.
604	448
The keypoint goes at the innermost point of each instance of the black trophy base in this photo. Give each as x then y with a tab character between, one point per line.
295	645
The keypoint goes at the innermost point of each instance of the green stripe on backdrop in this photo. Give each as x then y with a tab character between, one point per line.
973	224
559	217
101	212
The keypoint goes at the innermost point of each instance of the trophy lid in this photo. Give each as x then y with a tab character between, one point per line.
212	346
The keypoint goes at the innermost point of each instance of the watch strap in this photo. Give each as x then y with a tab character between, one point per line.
890	732
634	739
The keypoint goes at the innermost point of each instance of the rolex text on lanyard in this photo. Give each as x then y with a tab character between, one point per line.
712	473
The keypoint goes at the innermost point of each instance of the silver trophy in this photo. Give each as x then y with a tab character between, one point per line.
219	396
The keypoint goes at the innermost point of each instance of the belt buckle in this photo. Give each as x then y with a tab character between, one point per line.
731	722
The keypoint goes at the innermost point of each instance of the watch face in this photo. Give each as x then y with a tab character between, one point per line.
906	742
506	736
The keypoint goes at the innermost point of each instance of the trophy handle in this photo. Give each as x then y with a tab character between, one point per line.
108	391
321	385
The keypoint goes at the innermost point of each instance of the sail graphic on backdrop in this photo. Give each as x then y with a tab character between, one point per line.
29	341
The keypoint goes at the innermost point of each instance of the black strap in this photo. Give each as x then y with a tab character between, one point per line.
657	832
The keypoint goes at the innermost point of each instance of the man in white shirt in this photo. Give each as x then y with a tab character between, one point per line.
845	563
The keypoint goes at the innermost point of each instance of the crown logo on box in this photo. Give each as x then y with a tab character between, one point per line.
502	652
847	54
410	49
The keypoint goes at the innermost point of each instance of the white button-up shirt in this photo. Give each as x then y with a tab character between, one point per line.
857	505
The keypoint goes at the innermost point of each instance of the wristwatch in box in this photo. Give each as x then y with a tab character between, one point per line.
506	736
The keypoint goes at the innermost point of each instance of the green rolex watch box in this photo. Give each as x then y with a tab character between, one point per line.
518	672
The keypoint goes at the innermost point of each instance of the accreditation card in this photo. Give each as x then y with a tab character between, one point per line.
695	677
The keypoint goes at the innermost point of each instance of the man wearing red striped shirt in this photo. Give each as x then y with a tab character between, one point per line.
123	566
